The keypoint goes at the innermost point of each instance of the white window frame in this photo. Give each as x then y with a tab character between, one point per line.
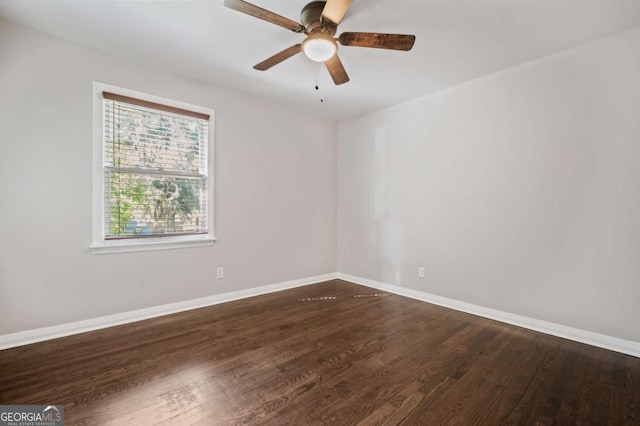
100	244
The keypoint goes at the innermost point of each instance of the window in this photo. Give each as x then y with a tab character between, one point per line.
152	186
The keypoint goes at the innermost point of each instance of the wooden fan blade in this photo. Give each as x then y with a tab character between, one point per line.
258	12
334	10
336	69
278	57
378	40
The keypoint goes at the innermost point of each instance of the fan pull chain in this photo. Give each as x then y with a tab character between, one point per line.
319	80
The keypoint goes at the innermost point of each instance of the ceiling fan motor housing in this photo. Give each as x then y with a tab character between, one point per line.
311	18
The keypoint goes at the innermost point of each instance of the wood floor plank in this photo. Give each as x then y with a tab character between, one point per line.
332	353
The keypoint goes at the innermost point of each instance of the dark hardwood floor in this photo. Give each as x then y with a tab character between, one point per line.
299	358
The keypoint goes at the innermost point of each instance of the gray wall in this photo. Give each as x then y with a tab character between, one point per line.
519	191
275	191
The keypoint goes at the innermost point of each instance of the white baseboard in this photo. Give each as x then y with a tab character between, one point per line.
53	332
588	337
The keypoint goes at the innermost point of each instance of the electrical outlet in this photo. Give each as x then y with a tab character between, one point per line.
421	272
220	273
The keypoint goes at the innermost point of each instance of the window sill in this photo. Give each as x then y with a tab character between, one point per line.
127	246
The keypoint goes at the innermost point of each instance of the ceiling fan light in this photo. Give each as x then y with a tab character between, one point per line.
319	47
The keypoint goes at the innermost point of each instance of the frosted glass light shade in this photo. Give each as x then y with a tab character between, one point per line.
319	47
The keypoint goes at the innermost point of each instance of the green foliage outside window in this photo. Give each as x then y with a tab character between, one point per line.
164	197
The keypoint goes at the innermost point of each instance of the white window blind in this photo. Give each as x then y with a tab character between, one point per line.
155	166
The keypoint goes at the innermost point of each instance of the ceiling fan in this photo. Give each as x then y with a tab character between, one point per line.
320	21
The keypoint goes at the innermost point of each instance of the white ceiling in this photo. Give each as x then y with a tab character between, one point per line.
457	41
